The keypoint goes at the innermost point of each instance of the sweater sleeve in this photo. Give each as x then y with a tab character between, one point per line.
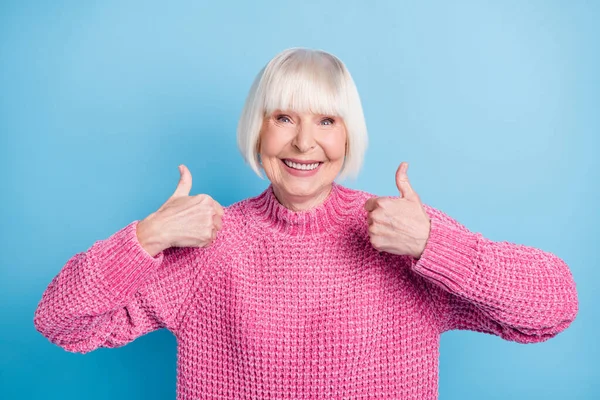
517	292
113	293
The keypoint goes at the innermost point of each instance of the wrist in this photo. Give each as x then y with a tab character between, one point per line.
424	242
149	237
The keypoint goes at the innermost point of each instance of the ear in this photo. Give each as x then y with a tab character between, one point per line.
257	152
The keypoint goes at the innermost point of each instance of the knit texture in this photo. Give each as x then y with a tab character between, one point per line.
299	305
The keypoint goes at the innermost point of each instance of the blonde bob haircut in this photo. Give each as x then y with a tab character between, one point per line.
304	80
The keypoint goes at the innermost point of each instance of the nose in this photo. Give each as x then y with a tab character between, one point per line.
304	139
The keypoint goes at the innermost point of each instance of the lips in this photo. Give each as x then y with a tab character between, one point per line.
302	161
298	166
305	173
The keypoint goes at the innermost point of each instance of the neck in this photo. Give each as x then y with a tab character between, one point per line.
301	203
330	216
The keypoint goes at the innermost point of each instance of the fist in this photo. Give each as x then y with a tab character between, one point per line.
183	220
398	225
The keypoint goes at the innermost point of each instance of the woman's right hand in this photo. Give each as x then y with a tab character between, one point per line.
182	221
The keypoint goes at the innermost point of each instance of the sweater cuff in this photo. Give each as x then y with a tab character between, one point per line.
123	262
449	258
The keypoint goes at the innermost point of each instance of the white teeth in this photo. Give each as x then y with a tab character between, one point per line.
304	167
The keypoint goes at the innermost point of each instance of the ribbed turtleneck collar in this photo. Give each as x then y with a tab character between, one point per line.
326	217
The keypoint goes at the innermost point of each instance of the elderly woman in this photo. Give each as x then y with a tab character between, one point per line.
310	289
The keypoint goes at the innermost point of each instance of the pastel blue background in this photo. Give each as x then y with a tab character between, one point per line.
495	105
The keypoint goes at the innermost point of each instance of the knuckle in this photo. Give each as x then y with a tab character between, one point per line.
384	202
377	216
203	197
375	242
372	231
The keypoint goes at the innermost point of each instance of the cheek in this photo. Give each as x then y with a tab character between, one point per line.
272	141
335	146
268	144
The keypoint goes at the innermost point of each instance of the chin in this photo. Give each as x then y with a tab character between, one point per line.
302	189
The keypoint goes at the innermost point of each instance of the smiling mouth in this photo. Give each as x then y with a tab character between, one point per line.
301	166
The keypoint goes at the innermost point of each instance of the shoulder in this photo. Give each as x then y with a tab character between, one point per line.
354	201
355	193
354	197
235	216
235	223
361	196
440	218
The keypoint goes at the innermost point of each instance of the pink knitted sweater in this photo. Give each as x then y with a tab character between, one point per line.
299	305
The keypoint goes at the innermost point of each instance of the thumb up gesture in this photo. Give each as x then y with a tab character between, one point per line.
398	225
182	221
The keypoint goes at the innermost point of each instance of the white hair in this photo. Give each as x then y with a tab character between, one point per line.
304	80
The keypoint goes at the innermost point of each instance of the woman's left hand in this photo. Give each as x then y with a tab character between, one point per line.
399	225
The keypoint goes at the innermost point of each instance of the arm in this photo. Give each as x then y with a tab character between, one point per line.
517	292
113	293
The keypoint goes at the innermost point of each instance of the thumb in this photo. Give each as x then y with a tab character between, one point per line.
185	182
402	183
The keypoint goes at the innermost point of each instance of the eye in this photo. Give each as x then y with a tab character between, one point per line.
329	121
283	118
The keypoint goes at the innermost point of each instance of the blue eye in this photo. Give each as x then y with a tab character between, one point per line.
284	117
330	120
